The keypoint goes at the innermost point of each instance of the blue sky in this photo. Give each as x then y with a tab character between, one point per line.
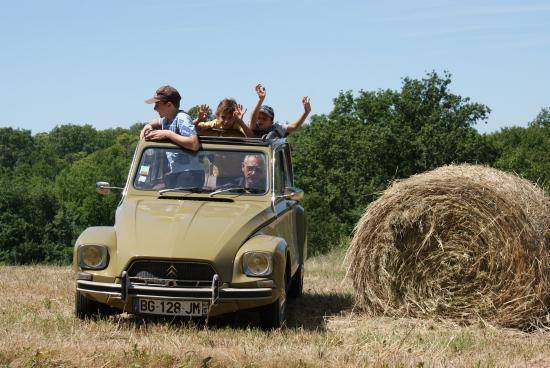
95	62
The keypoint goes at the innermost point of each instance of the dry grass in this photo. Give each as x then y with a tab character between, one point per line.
37	329
462	242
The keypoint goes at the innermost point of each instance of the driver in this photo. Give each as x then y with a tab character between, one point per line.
253	168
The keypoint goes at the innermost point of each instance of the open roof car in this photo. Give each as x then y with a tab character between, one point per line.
198	234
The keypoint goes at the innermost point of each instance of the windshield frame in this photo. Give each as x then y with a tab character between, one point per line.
135	173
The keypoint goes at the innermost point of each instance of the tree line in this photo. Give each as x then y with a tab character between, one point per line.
343	160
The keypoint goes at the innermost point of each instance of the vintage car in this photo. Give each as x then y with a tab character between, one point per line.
198	234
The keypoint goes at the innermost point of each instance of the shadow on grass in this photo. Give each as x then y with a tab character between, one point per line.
309	312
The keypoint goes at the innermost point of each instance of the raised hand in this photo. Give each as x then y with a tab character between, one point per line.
202	112
260	90
307	106
239	112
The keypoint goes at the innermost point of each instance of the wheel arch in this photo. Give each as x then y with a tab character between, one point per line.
275	245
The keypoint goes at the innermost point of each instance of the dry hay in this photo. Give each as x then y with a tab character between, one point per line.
462	242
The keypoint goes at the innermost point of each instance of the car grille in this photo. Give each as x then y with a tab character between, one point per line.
171	274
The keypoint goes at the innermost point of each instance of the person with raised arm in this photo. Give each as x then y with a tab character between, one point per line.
262	119
228	121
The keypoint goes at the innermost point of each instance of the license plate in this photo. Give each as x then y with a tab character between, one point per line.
170	307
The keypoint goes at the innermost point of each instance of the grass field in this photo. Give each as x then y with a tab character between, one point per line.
37	329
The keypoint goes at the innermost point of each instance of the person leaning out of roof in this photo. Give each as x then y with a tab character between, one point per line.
262	119
173	124
228	121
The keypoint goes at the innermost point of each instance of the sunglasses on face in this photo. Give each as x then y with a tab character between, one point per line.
254	168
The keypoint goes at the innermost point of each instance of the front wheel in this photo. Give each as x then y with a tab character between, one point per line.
274	315
85	308
297	284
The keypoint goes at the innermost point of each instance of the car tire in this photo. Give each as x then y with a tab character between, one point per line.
86	308
273	315
297	285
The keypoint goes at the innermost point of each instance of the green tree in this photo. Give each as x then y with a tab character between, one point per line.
73	142
542	120
75	186
27	206
525	151
16	147
344	159
48	194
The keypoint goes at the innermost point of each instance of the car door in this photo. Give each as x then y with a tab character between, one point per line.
299	227
284	207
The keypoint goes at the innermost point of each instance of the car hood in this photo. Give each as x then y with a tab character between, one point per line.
186	229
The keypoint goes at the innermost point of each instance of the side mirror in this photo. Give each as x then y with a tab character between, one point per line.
103	187
295	194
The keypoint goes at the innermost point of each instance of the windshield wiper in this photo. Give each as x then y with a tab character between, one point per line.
181	189
230	189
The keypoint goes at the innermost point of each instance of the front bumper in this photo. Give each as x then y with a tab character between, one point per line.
214	294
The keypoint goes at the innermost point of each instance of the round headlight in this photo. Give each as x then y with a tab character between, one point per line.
257	263
93	257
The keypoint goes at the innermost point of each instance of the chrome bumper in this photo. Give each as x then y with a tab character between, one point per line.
213	294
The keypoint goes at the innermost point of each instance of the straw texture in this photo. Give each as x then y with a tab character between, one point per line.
462	242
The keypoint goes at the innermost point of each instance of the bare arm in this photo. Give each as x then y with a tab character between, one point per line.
292	127
191	142
260	90
152	125
247	131
239	114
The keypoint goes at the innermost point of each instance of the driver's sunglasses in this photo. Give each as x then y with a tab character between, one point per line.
255	168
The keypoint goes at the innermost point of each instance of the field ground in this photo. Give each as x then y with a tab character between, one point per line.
37	329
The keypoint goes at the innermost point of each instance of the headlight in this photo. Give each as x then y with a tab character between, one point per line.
93	257
257	263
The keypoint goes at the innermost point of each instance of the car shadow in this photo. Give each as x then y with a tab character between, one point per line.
311	311
308	312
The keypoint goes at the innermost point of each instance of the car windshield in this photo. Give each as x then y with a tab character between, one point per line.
169	170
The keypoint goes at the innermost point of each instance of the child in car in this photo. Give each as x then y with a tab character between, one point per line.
262	120
173	124
228	121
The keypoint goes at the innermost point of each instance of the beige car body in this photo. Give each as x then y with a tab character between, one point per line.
198	228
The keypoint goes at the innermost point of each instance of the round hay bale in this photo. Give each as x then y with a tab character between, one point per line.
462	242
